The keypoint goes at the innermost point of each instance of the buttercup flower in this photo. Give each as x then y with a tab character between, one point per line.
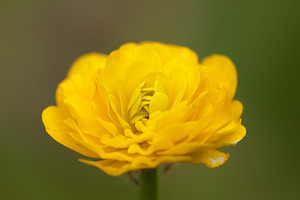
147	104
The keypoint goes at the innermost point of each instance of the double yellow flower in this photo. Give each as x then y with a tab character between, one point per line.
147	104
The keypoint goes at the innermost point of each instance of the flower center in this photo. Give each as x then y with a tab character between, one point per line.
147	100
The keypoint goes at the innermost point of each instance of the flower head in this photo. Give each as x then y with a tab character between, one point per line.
147	104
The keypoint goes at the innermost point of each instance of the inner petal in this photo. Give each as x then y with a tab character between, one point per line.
145	100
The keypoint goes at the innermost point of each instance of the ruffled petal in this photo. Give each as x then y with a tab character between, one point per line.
87	122
211	158
81	78
220	70
116	168
88	64
231	138
53	119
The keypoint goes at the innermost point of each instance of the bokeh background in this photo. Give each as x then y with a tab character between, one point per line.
40	39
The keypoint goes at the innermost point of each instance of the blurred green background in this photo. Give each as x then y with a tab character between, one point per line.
40	39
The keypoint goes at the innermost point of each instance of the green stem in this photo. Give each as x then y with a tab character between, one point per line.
148	185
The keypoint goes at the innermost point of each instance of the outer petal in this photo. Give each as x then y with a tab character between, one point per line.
211	158
111	167
231	138
88	63
221	70
116	168
233	126
53	119
132	62
81	76
168	52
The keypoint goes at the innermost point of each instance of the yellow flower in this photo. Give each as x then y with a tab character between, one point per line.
147	104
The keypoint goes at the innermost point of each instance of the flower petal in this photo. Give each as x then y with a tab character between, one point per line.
81	78
116	168
211	158
88	64
111	167
88	123
231	138
53	119
221	71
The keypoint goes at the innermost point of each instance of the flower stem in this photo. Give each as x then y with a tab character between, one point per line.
148	185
